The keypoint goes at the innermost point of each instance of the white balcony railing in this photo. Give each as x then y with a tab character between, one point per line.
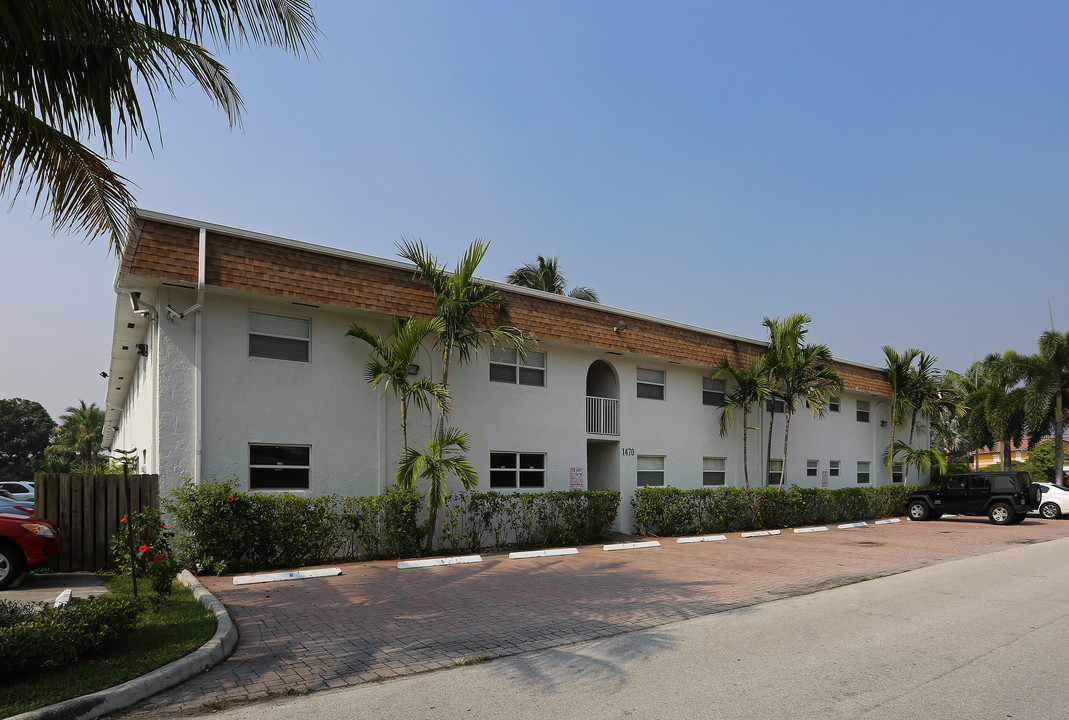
602	416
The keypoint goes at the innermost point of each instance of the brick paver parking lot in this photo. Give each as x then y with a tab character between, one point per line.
376	621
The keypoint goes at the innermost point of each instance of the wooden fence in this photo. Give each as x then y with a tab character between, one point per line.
86	509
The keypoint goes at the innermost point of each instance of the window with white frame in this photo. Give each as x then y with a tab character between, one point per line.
517	470
811	468
863	472
996	457
714	470
713	391
897	473
862	410
651	384
279	338
650	470
775	472
279	467
774	406
833	468
833	403
506	366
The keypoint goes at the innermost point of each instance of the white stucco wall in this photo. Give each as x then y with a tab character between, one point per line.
353	430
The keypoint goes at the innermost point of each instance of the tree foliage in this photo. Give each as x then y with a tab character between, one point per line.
545	274
78	439
81	71
25	431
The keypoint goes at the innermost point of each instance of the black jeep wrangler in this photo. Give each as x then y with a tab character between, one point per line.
1005	497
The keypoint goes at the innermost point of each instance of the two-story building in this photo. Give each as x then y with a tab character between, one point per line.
230	357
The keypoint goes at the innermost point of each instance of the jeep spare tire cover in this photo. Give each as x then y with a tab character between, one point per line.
1035	492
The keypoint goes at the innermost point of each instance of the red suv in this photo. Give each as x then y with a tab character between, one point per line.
25	543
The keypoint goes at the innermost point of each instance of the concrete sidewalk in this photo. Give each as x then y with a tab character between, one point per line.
376	621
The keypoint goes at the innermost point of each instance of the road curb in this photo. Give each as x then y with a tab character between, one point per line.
207	656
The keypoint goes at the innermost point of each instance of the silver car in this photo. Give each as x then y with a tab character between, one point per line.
10	504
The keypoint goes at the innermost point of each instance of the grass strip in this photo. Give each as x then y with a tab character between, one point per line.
181	626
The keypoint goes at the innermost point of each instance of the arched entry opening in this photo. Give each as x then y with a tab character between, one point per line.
602	426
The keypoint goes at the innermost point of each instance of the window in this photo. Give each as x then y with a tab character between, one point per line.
712	392
996	457
713	470
811	467
833	403
651	470
774	406
862	410
279	338
651	384
863	472
897	473
517	469
775	472
279	467
507	367
833	468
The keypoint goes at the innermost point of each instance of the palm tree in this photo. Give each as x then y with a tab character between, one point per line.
921	458
997	405
1047	393
442	456
72	70
79	436
800	372
464	305
948	429
544	274
751	386
392	360
898	370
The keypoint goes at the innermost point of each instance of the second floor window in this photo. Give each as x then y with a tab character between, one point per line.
507	367
278	337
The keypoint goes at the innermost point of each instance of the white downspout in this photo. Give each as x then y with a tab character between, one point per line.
198	330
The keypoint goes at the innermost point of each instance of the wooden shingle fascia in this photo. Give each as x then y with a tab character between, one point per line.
317	275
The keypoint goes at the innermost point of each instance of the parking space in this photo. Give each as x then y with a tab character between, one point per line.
376	621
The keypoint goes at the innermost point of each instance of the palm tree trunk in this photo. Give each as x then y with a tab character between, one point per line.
1059	444
786	434
745	465
1005	454
768	458
404	423
432	523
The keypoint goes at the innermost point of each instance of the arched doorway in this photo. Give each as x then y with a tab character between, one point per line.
602	426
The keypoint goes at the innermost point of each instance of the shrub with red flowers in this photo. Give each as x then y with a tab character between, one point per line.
153	557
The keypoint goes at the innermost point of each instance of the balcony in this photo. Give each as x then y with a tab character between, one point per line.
602	416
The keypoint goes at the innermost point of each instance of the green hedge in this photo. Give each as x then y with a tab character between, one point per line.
475	521
672	512
59	637
227	530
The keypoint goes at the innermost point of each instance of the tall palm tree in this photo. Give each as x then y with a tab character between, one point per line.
898	370
800	372
751	386
544	274
997	405
1047	393
441	457
948	428
392	360
81	69
465	305
79	436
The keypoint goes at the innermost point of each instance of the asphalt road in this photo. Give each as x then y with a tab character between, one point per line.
983	637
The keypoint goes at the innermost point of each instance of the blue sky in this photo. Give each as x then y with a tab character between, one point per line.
900	171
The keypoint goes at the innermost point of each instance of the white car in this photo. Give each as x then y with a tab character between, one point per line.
1053	500
18	489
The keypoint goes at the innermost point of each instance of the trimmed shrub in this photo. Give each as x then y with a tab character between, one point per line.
59	637
473	521
672	512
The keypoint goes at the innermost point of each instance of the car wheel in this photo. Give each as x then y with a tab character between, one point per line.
918	510
1035	494
11	565
1050	510
1000	513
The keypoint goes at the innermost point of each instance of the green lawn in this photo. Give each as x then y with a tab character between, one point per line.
181	626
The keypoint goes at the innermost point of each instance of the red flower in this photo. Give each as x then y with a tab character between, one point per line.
123	520
230	498
163	527
143	548
157	558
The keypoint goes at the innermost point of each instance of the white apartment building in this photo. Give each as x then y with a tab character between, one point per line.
230	357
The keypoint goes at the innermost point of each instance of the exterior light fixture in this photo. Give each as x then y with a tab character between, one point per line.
142	349
413	369
620	325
